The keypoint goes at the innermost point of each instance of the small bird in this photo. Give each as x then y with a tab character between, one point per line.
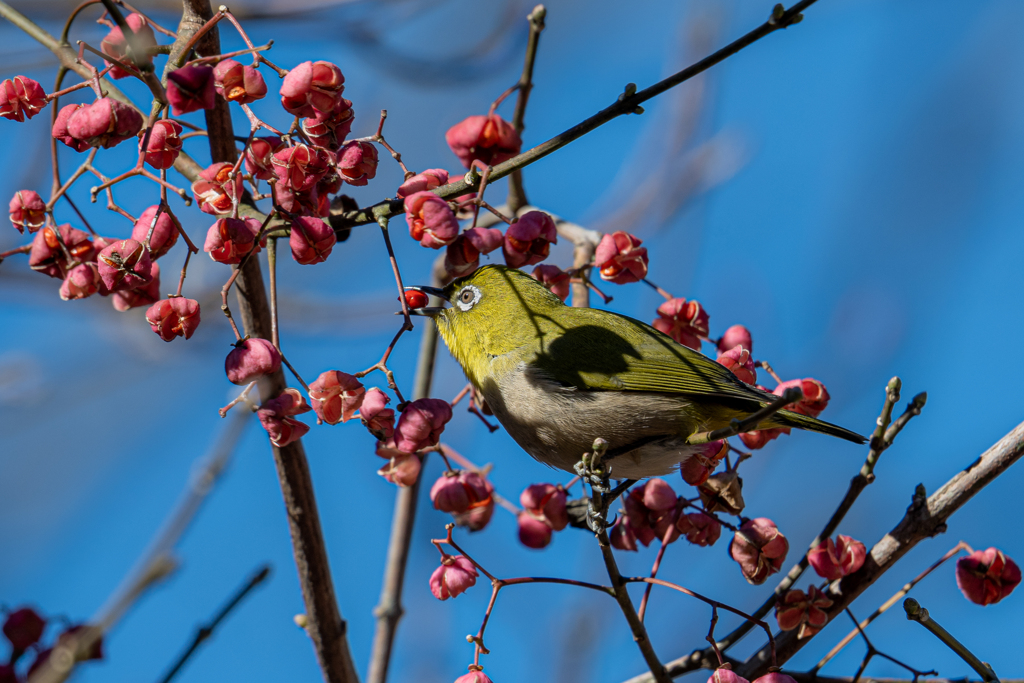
558	377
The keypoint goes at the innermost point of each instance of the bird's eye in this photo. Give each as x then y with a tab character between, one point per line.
468	297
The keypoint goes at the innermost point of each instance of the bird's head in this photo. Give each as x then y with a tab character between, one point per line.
491	312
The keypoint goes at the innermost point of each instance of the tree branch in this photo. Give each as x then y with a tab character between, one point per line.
628	103
323	618
924	519
155	563
389	610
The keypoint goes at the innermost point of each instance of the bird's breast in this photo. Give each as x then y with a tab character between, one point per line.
557	424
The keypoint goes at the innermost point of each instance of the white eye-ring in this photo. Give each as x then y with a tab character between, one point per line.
467	298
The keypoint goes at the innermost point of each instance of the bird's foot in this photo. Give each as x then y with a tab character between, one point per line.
592	470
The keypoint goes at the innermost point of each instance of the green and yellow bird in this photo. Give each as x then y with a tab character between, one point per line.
557	377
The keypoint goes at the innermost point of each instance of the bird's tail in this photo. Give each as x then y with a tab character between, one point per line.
786	418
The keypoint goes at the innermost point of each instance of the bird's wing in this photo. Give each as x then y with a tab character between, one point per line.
598	350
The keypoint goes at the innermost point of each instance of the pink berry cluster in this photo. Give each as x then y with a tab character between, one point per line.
24	628
654	512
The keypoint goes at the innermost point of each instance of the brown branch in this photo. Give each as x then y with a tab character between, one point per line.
628	103
516	192
887	604
389	609
878	444
924	519
915	612
154	564
325	626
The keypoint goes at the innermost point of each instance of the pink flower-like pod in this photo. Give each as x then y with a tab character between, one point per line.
147	295
460	492
986	576
738	360
237	83
815	398
487	139
402	469
311	240
478	517
251	359
637	516
191	88
804	610
685	321
456	574
421	424
336	396
724	674
82	281
546	502
737	335
431	221
27	210
299	168
775	677
696	469
759	439
554	278
658	495
165	231
302	203
125	264
229	240
60	128
24	627
533	532
428	180
376	416
21	98
215	192
463	255
311	87
759	548
164	144
115	45
259	156
329	129
699	528
835	560
48	256
620	258
276	416
622	535
475	675
357	162
104	123
174	317
528	240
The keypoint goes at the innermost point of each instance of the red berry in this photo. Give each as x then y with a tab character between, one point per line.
415	298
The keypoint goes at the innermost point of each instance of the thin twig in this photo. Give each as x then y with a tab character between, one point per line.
389	608
915	612
625	105
154	564
887	604
207	629
877	445
516	191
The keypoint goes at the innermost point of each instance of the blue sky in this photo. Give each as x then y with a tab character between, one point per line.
863	219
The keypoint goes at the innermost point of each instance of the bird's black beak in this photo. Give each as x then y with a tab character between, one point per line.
427	311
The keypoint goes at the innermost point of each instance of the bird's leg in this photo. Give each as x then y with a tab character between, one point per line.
592	470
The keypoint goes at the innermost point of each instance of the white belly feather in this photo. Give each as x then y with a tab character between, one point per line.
557	424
